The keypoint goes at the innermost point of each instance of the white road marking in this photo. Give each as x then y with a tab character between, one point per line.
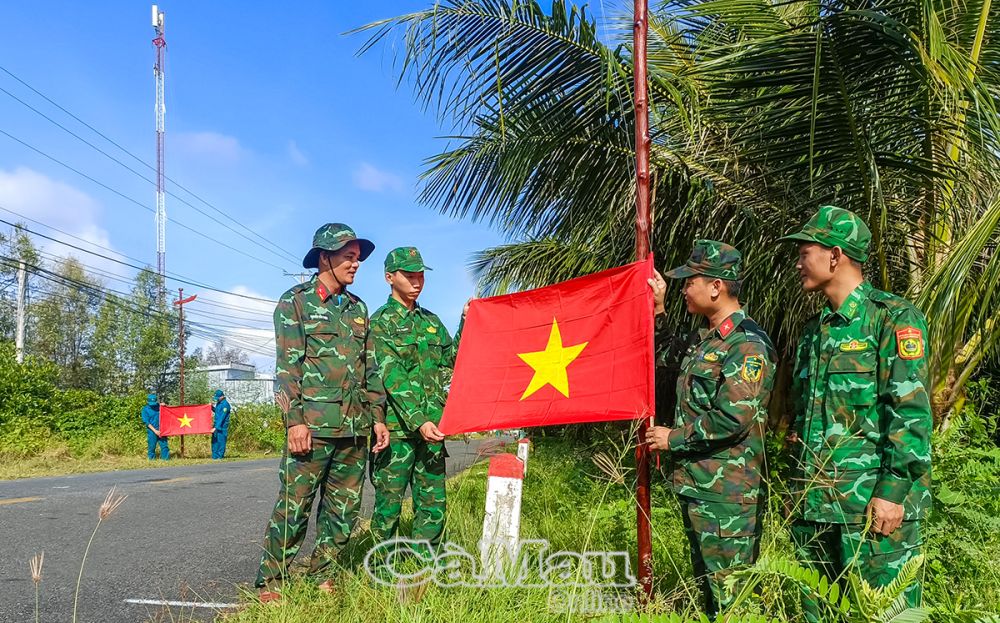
63	487
180	604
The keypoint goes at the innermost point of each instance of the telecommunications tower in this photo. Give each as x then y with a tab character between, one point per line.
161	201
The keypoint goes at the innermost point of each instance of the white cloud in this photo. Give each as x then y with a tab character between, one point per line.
246	323
296	155
58	205
220	148
370	178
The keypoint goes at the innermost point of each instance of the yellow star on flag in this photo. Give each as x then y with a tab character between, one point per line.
550	364
185	421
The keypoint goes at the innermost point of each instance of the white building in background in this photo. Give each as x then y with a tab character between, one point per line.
241	383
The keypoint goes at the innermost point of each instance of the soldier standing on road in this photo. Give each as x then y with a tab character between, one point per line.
333	400
861	413
220	425
151	418
415	356
716	443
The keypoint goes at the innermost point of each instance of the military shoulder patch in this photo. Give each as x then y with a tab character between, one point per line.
910	343
712	357
854	346
359	320
432	329
753	368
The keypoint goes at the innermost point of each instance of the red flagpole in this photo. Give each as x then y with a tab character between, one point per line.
640	30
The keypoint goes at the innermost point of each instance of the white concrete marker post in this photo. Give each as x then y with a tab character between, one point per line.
523	447
502	523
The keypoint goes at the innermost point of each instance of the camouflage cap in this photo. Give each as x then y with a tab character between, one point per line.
405	258
332	237
836	227
710	258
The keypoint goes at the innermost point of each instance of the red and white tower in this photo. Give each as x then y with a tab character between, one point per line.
161	200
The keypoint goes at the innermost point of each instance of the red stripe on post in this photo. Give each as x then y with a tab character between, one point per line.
506	466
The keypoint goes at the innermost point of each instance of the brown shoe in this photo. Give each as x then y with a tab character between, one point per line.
327	587
267	596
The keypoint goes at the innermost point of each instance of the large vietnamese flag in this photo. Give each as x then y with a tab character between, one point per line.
578	351
185	420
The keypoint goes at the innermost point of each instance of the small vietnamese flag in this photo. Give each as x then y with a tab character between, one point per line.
578	351
185	420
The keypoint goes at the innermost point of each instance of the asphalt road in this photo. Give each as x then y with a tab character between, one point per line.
187	534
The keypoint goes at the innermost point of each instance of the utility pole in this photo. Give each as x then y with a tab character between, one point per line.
300	276
180	302
160	108
640	31
22	286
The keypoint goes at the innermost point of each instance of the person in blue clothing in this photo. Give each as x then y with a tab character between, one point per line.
151	418
220	426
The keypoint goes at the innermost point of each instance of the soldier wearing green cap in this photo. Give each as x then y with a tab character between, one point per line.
716	443
415	355
862	414
333	399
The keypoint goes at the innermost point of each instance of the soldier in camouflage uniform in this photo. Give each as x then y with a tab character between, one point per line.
862	414
716	443
415	356
333	400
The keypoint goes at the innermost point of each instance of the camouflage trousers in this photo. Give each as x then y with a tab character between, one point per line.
834	549
335	468
421	466
723	536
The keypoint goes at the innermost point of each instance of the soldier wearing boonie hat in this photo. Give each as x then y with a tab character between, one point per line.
862	414
716	443
333	401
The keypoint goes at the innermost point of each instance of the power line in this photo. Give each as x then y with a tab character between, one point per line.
137	159
120	300
131	200
111	259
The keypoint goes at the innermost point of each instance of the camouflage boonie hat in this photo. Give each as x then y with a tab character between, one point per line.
836	227
332	237
710	258
405	258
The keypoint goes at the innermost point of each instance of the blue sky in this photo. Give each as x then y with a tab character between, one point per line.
271	117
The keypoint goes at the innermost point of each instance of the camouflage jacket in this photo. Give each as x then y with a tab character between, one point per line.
723	390
861	409
324	362
415	356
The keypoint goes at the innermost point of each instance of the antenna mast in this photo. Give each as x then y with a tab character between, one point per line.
161	201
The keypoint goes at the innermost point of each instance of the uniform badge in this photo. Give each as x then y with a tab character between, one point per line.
432	329
359	320
753	368
713	357
910	343
854	346
726	327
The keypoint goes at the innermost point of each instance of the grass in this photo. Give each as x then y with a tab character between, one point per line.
115	452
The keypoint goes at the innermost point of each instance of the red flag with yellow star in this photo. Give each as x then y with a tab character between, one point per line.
578	351
187	420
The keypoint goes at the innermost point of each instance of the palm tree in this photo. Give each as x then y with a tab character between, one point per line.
760	112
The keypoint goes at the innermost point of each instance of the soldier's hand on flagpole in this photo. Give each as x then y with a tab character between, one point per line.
299	439
886	516
658	437
659	287
381	437
430	432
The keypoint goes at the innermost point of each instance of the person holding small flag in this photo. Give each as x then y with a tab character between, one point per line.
151	419
716	443
220	425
